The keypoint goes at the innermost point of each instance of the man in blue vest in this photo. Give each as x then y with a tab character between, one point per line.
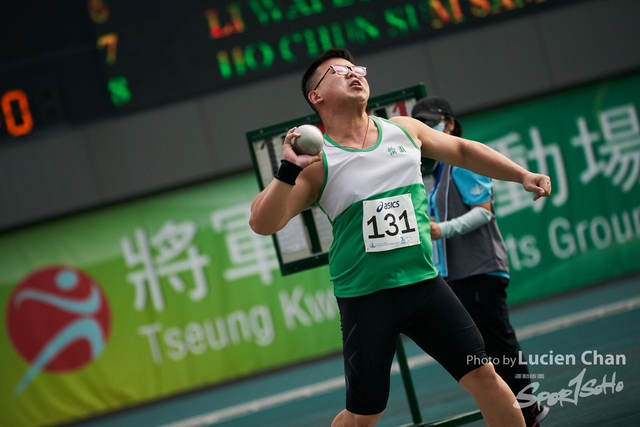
470	253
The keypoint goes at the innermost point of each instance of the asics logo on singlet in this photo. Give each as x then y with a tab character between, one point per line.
387	205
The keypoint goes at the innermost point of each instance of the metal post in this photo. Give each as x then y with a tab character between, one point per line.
408	382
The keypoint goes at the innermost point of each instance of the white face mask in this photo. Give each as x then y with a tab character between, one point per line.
439	127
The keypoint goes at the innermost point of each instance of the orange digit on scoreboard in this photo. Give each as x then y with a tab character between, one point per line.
15	126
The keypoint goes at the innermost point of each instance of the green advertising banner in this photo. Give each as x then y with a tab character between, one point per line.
588	141
147	299
137	302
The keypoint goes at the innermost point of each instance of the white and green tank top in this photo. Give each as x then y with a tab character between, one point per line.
377	205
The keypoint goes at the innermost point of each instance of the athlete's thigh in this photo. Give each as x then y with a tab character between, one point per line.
444	329
369	336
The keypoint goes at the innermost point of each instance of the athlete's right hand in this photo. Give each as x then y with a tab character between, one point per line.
302	160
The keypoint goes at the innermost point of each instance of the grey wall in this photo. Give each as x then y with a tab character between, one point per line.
204	138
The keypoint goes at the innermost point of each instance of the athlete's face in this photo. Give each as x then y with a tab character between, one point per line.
337	77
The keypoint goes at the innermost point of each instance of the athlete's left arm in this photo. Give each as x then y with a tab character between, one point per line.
474	156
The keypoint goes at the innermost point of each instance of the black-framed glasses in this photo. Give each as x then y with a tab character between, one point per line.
343	70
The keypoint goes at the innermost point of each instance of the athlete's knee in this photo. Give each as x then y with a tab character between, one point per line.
349	419
483	377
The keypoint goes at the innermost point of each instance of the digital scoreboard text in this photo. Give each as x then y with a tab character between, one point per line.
109	57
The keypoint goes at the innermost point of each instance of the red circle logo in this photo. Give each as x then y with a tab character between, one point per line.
58	320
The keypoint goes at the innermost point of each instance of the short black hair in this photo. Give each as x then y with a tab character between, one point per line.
306	77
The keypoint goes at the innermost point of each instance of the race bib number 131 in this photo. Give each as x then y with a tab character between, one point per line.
389	223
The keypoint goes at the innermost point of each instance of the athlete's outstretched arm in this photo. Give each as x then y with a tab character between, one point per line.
474	156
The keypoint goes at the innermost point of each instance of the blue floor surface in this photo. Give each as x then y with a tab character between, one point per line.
602	320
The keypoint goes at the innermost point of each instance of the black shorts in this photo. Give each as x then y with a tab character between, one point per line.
427	312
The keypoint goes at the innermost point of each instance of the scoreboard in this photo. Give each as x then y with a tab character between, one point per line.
50	69
66	62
